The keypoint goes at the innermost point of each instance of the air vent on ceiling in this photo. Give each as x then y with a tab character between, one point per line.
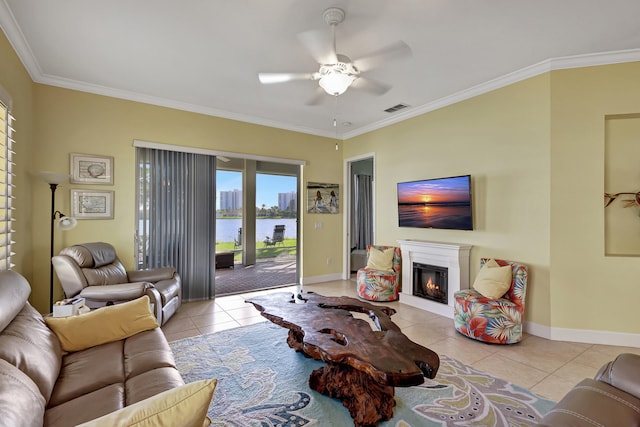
396	108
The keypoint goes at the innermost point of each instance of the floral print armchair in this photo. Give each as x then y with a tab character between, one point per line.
380	285
497	321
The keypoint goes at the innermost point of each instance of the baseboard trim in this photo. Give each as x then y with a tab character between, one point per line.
583	335
541	331
319	279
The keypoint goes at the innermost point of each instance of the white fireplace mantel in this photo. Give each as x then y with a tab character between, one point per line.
451	255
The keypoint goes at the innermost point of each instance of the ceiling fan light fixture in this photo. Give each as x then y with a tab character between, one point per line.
336	83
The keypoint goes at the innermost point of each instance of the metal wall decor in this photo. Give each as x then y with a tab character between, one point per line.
609	198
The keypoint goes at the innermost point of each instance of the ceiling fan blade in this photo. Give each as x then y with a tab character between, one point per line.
268	78
371	86
382	56
320	45
317	97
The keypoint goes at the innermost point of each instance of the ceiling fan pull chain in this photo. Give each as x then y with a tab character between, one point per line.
335	120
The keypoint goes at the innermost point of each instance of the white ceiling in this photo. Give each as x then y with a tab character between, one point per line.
204	55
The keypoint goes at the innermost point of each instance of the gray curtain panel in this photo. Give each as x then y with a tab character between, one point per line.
363	215
176	217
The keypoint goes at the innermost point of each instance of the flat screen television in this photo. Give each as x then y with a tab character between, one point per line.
436	203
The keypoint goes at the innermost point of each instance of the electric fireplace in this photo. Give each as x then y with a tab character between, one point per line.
430	282
448	264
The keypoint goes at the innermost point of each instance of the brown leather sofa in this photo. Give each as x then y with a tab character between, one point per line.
40	385
612	399
94	272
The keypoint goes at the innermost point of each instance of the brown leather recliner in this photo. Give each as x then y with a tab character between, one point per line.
94	272
612	399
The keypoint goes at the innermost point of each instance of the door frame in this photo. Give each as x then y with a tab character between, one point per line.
249	170
346	263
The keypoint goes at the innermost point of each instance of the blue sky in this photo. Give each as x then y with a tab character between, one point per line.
267	186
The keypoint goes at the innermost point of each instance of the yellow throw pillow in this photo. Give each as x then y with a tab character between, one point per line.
103	325
380	260
493	281
184	406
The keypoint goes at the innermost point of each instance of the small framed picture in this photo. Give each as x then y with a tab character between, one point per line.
92	204
90	169
323	198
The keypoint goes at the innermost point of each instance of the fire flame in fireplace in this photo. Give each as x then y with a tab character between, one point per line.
432	286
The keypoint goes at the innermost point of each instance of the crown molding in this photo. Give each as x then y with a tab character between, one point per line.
18	41
177	105
595	59
561	63
22	49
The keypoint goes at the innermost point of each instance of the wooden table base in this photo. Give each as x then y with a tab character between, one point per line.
368	401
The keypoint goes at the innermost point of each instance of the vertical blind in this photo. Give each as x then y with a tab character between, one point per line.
6	187
176	217
362	219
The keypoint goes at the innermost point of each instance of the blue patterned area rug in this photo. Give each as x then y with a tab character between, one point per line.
263	383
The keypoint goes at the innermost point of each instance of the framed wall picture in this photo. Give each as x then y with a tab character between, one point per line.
323	198
90	169
92	204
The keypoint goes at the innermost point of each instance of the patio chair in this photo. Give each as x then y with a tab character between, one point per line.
278	236
237	242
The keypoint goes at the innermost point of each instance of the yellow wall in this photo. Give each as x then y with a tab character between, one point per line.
75	122
588	289
17	82
53	122
535	150
502	140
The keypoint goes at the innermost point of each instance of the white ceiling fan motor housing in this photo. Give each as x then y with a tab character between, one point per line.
333	16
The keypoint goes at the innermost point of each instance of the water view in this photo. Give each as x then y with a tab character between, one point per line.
227	228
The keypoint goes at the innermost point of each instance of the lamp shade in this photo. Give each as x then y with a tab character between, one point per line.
53	177
336	83
66	223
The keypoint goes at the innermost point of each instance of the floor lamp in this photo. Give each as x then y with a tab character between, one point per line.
63	222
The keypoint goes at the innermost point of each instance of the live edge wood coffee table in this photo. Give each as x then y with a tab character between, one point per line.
363	365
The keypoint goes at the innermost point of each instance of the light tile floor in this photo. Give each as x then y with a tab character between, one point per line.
549	368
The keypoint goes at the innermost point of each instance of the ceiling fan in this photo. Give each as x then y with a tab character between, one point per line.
338	72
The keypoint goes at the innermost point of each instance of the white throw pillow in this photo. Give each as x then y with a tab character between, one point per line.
493	281
380	260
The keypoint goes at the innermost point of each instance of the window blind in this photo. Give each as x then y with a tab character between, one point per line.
6	187
176	217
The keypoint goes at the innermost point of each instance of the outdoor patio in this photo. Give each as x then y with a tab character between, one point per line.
265	274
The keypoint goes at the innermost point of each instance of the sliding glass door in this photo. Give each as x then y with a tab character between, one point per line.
229	213
228	225
257	222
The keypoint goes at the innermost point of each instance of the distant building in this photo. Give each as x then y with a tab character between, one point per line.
286	200
231	200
